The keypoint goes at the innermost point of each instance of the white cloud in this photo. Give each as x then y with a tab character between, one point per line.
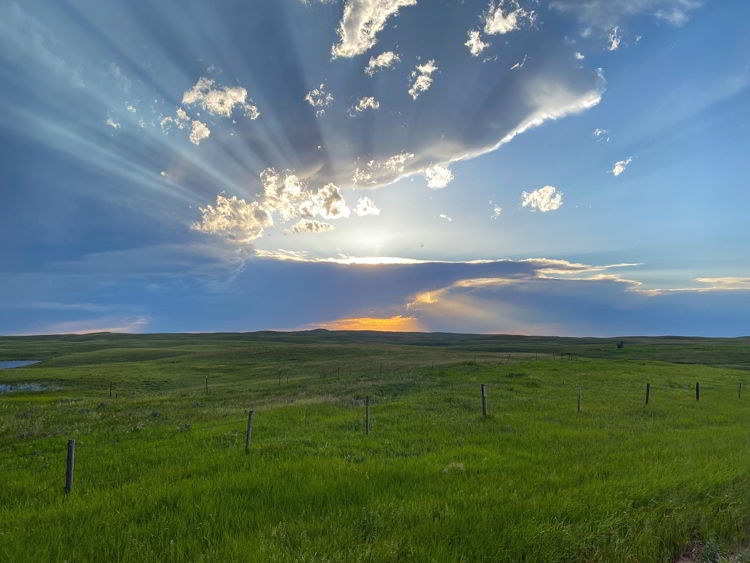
285	196
438	176
327	203
505	16
604	14
220	100
497	211
579	56
112	123
130	108
544	199
199	132
320	98
620	166
365	103
375	171
422	76
519	65
601	135
310	226
615	38
388	59
235	218
445	217
475	43
365	206
361	22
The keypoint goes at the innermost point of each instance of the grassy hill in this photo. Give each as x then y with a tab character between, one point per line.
161	471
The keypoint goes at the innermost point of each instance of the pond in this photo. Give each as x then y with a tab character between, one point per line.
17	364
16	387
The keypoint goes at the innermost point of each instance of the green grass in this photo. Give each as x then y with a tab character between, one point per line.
161	472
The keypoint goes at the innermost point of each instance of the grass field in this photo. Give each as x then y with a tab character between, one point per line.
161	471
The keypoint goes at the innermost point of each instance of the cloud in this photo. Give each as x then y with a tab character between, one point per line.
615	38
390	324
605	14
520	64
199	132
726	283
221	100
365	206
438	176
311	226
475	43
284	195
374	171
579	56
320	98
422	78
554	87
365	103
620	166
544	199
361	22
327	203
601	135
497	211
445	217
91	326
385	60
112	123
505	16
234	218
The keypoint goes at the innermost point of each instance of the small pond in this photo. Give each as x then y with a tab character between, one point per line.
19	387
17	364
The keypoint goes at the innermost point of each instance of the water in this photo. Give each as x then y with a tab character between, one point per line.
17	364
16	387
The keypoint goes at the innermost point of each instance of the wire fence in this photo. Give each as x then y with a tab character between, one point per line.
97	452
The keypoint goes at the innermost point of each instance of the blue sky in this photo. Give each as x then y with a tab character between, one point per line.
572	167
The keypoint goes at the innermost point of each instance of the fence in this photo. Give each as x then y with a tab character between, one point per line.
70	474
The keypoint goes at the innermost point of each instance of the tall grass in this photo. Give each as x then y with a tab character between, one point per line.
161	472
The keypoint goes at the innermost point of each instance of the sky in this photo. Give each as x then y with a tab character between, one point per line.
549	167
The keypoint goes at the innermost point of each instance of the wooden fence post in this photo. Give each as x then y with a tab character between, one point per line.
648	391
739	390
70	466
367	415
484	400
249	434
206	385
110	389
697	391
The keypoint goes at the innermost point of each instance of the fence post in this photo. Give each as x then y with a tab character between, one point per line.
70	466
110	389
739	390
249	434
206	385
579	399
648	391
484	400
367	415
697	391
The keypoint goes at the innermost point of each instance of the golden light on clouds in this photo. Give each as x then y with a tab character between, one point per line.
387	324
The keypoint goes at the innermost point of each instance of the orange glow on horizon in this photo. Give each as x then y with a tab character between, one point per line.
388	324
